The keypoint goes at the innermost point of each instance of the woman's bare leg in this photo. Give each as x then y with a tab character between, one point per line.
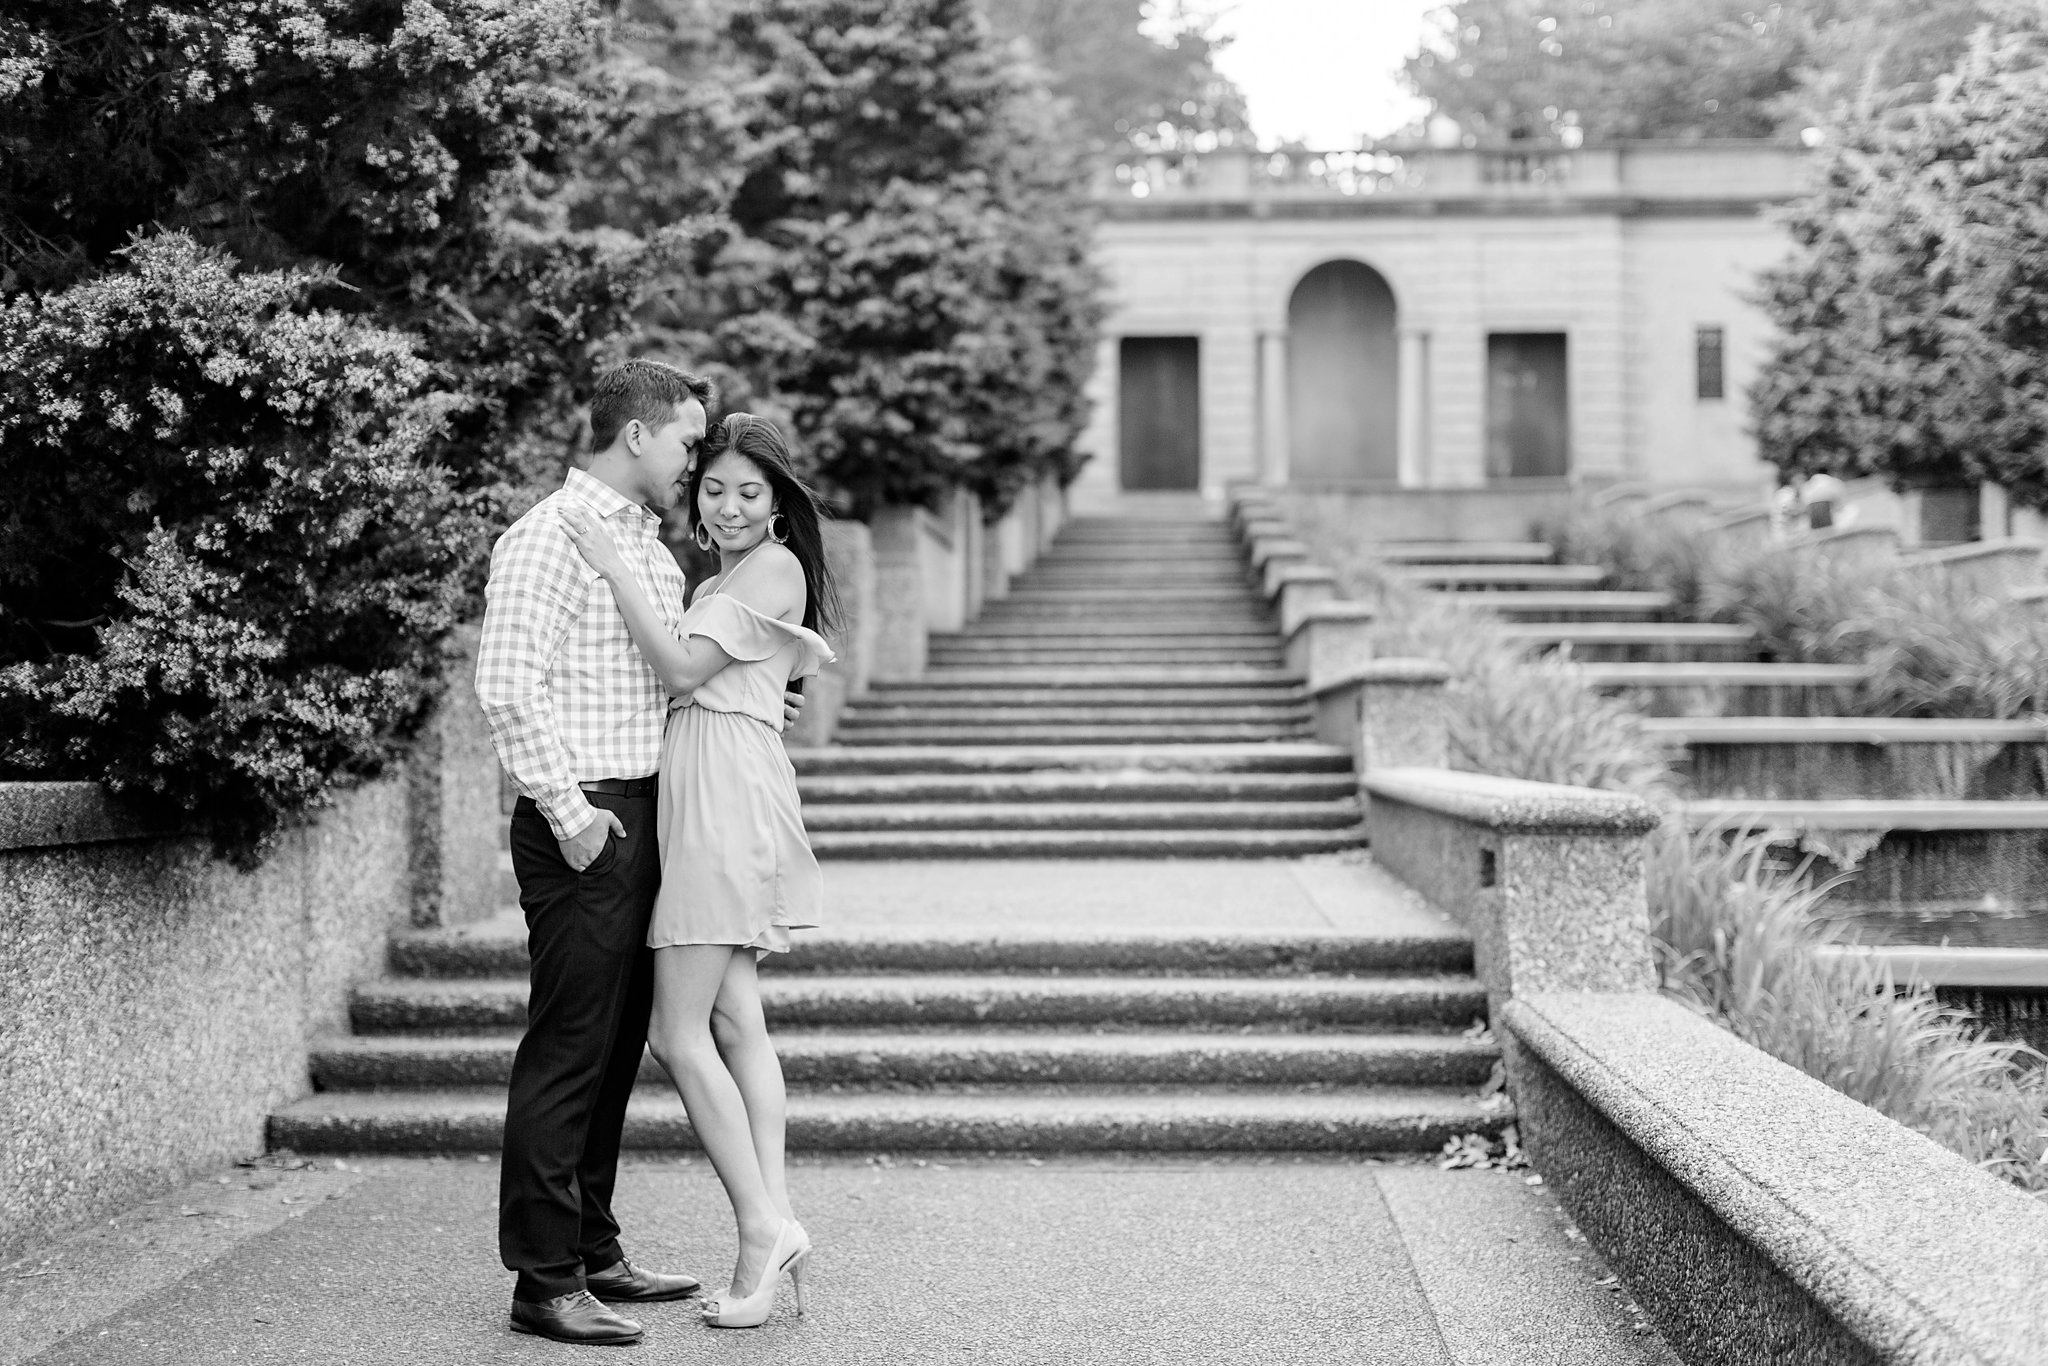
687	980
742	1034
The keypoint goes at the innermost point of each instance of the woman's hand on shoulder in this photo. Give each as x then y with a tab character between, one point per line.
773	584
592	540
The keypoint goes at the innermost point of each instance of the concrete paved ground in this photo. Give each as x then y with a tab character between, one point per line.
943	1259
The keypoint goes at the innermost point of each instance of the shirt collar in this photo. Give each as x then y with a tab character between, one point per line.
602	496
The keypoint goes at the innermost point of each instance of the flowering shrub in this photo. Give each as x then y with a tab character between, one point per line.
224	559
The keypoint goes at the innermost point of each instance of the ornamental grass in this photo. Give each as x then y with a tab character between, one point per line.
1734	929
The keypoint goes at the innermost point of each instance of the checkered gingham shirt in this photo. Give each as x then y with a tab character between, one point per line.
567	694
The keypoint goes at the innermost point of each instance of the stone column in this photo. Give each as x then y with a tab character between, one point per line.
899	631
849	552
1273	430
1412	433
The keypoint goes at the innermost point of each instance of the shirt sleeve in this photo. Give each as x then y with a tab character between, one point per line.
532	599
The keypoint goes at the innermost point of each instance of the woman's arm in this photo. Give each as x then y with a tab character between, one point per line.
682	665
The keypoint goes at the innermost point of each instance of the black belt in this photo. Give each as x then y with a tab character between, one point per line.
621	787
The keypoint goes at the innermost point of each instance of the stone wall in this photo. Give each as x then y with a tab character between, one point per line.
159	1002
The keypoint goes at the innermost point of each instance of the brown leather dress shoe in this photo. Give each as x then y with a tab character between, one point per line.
625	1281
575	1317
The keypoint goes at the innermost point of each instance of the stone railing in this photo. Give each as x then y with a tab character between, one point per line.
1701	171
1758	1215
159	1003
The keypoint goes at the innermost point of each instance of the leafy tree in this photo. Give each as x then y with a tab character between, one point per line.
1911	329
1609	69
186	191
907	273
1128	89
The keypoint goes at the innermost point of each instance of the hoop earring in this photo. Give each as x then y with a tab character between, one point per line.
703	537
783	539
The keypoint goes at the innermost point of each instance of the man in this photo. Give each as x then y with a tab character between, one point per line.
576	716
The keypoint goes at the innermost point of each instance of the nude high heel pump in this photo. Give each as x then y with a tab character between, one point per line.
792	1249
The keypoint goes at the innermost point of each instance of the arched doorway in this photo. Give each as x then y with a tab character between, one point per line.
1343	366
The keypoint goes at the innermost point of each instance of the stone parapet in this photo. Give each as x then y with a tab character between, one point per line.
1994	568
160	1002
1547	879
1329	639
1758	1214
1389	712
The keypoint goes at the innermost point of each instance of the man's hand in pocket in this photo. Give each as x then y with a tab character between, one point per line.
580	850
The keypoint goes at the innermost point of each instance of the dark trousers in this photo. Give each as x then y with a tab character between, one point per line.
586	1027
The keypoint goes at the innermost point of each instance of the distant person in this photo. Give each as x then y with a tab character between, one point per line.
737	871
577	716
1822	496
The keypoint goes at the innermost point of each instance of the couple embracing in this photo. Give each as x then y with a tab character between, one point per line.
658	843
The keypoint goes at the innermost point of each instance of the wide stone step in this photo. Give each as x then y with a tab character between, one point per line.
1174	734
1101	815
457	1005
1156	645
1620	641
1092	615
984	1057
1178	597
497	948
1845	758
1098	628
1222	578
1013	1119
867	714
1305	756
992	654
933	700
1149	676
1502	576
1918	816
1082	787
1730	689
1536	604
1086	844
1969	872
1462	552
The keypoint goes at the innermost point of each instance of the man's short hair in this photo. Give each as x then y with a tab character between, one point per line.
648	390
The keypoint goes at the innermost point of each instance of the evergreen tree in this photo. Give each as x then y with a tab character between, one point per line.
290	298
907	276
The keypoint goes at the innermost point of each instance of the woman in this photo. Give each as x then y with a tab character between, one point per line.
737	873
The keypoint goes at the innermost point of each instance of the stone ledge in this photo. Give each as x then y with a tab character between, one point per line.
46	815
1414	672
1917	1254
1512	806
1968	551
1343	611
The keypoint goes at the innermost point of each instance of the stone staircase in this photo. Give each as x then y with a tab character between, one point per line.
1027	972
1127	698
1940	826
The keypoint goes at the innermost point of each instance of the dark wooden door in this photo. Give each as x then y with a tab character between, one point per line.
1160	412
1528	432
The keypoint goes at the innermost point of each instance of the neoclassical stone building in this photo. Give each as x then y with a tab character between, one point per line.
1436	318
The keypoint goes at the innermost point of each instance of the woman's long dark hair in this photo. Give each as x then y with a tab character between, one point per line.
757	440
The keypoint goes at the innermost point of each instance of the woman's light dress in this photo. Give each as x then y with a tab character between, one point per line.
736	866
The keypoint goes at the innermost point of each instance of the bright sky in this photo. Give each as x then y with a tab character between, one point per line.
1325	71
